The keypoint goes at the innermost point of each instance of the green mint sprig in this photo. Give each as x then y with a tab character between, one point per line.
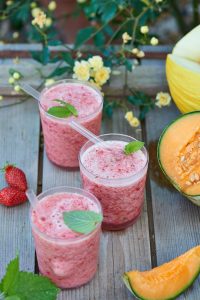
133	147
82	221
17	285
65	110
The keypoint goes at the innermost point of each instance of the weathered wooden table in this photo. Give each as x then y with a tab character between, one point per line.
169	224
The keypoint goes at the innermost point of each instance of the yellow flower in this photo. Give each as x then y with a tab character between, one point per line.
52	5
16	75
49	81
81	70
11	80
48	22
40	19
102	75
144	29
15	35
96	62
140	54
33	4
134	122
8	3
129	116
135	51
17	88
35	11
1	97
163	99
81	1
126	37
154	41
159	1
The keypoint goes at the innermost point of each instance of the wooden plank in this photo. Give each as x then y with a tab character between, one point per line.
19	132
176	220
148	77
120	251
23	50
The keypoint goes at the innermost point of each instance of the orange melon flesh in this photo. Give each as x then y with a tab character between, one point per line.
168	280
179	153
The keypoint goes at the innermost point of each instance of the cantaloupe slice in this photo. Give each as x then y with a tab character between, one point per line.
166	281
179	154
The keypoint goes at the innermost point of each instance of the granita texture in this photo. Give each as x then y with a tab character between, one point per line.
117	180
68	258
63	143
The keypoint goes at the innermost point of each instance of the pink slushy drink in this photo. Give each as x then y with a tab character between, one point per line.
63	143
116	179
68	258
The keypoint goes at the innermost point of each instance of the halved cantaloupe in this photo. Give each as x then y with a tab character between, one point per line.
179	154
166	281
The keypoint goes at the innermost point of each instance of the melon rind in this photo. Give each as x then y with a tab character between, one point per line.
193	275
193	198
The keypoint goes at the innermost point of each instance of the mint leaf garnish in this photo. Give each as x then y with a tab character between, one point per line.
133	147
64	111
17	285
59	111
82	221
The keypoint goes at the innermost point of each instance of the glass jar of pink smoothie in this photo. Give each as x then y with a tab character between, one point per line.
68	258
116	179
63	143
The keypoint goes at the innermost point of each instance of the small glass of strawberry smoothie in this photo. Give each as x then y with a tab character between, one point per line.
116	179
67	257
63	143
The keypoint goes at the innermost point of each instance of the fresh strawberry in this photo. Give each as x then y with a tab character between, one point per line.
10	196
15	177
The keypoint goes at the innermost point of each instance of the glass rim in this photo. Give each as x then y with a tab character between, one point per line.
112	180
68	189
86	83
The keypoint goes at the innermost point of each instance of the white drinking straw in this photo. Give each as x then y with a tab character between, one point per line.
32	198
75	125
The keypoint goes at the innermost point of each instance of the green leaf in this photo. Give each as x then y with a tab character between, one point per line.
128	65
83	36
68	58
34	287
59	71
99	39
82	221
18	285
59	112
11	276
133	147
69	106
54	43
109	12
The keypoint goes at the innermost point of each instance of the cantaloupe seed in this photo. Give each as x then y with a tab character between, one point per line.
188	166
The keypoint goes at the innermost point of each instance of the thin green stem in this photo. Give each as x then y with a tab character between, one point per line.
43	34
116	32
